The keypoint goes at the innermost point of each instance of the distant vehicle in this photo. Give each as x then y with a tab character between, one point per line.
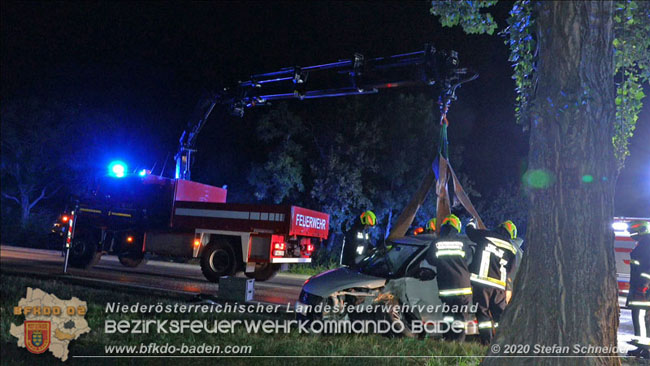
396	276
623	245
134	214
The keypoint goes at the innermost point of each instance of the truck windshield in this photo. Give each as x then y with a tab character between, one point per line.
388	263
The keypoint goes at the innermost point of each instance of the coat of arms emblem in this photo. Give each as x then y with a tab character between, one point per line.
37	335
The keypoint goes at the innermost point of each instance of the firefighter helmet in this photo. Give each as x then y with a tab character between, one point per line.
510	227
452	220
368	218
639	227
431	224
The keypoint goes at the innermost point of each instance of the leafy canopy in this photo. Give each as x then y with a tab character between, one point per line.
373	154
631	45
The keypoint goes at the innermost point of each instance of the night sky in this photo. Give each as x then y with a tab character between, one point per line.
148	63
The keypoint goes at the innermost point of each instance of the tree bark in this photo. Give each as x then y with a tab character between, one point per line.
566	292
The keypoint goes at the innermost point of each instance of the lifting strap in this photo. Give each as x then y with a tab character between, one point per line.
443	171
438	175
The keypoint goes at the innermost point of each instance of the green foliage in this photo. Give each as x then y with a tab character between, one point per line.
523	52
467	14
281	174
280	177
373	154
632	60
508	203
631	45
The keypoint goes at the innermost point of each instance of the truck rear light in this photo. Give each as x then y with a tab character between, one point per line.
197	243
310	248
129	239
279	246
278	253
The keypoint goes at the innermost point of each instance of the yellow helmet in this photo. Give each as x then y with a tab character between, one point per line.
368	218
431	224
452	220
510	228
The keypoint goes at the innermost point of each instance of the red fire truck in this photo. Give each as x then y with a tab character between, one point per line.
136	214
143	213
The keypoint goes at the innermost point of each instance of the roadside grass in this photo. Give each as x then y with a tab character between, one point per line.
309	270
313	349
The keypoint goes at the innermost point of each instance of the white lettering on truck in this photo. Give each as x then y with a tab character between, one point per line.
310	222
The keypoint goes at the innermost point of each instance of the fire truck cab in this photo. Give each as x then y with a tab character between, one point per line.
136	214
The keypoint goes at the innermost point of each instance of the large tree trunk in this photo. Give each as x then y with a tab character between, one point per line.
566	292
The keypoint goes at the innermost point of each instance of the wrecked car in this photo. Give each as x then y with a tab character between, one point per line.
396	282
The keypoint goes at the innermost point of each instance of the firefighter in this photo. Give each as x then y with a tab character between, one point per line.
490	269
638	299
450	253
356	243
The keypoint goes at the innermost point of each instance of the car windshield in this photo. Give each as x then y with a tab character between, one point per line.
388	263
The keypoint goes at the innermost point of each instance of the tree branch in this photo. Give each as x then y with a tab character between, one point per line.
52	193
10	197
40	197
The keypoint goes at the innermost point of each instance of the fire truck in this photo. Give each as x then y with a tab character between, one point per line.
137	214
623	246
131	214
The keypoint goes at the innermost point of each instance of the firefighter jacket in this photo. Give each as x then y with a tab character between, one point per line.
357	243
494	260
640	274
451	254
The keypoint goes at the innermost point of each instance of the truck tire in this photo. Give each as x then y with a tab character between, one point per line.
264	272
84	253
131	260
218	259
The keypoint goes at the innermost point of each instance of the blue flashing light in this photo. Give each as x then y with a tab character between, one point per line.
143	172
117	169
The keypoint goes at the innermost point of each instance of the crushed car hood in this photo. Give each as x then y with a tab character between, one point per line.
328	282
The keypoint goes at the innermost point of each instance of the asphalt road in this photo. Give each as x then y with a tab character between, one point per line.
156	275
186	279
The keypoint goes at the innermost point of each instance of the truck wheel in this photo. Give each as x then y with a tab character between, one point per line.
218	259
264	272
84	253
131	260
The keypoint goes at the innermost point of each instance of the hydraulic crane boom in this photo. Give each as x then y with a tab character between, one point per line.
356	76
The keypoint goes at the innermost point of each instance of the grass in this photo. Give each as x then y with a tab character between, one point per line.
292	344
309	270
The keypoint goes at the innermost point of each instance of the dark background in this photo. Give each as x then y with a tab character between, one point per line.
147	63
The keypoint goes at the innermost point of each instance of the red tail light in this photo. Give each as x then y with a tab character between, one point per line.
129	239
279	246
65	218
197	242
310	248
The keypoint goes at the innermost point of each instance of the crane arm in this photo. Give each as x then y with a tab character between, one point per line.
355	76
